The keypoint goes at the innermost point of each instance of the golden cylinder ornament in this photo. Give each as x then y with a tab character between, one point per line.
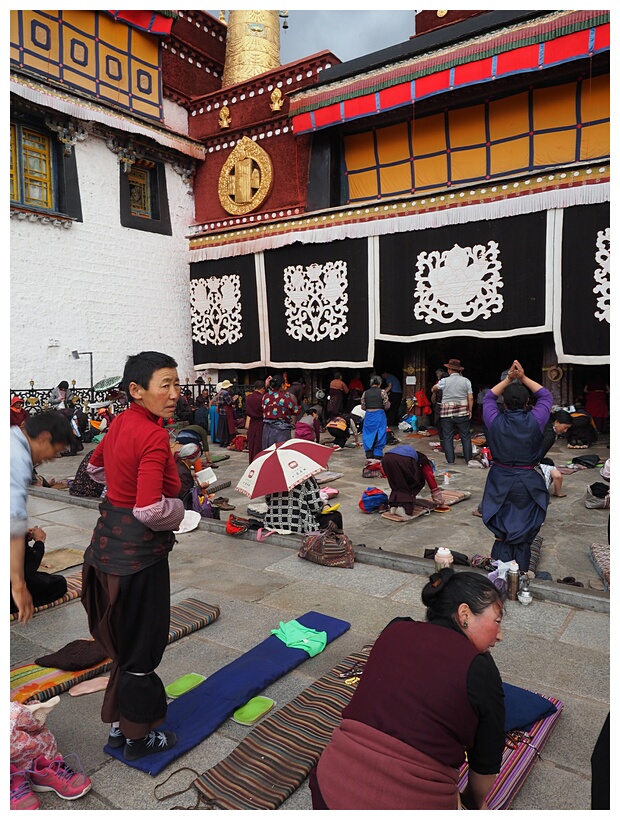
252	45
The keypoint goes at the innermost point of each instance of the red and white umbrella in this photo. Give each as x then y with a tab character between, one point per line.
282	466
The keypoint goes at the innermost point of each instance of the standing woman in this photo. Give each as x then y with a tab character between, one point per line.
226	428
429	692
514	504
126	579
279	410
374	432
337	392
254	412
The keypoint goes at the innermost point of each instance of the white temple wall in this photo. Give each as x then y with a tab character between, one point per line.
98	286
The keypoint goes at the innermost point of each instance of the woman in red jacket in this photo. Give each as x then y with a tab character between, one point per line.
126	579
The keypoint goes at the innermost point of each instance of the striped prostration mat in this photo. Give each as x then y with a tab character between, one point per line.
273	760
535	548
74	590
517	763
31	682
278	754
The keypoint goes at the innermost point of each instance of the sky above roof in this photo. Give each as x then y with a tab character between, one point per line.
347	34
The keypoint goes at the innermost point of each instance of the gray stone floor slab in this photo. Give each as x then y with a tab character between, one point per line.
538	618
361	578
541	666
371	614
589	630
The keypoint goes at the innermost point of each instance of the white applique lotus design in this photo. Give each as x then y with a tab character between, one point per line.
216	310
315	301
459	284
601	275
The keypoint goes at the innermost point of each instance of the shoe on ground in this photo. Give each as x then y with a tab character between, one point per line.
56	776
222	504
155	741
474	463
116	738
22	796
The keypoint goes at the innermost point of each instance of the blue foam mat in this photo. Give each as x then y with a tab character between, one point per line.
198	713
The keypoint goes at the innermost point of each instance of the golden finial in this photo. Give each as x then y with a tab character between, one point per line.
276	100
224	118
73	383
222	17
31	383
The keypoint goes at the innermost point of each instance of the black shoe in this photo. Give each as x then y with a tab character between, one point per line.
116	738
155	741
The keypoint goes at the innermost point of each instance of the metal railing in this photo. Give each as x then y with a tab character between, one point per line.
37	399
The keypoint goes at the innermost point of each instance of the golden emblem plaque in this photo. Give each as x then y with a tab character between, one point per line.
245	179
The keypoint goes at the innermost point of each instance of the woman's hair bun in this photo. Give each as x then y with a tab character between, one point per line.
436	584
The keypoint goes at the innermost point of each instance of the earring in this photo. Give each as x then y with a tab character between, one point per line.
465	624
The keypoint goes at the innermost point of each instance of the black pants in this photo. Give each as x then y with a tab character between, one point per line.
600	764
393	414
130	617
340	436
43	587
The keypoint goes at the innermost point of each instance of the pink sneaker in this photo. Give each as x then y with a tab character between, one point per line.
56	776
21	791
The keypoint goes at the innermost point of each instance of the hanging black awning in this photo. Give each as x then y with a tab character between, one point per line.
319	305
488	279
225	314
582	309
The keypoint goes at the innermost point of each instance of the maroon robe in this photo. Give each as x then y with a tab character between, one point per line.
254	409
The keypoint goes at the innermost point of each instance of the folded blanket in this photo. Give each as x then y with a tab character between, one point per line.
74	656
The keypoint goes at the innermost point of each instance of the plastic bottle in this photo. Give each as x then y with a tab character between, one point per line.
446	478
512	579
443	558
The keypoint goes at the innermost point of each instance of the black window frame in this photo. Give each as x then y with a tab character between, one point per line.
160	221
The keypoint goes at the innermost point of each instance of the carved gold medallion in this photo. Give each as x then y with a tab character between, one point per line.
245	179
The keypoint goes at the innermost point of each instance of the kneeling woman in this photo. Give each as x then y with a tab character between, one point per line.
406	471
429	692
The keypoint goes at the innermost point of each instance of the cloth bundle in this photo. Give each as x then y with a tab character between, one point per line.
373	500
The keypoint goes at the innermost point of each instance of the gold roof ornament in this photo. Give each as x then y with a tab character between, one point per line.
252	45
276	100
224	118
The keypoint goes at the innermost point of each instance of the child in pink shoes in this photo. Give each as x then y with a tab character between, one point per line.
46	776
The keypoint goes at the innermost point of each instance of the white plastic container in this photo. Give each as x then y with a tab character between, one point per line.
443	559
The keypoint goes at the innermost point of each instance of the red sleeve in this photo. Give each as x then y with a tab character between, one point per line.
427	471
430	478
155	476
